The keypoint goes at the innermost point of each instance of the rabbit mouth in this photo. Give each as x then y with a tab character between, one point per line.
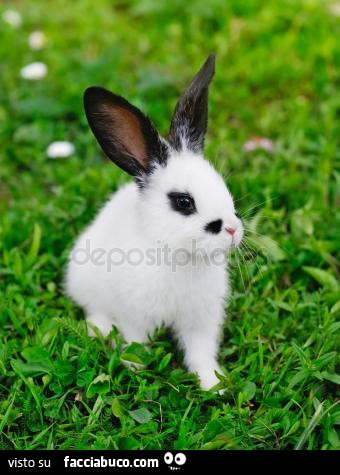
235	242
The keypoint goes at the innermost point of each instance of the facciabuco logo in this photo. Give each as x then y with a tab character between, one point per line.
175	462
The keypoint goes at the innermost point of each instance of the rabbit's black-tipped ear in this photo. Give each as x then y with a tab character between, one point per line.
190	119
125	134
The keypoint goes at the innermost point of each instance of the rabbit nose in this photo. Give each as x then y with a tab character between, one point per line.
231	231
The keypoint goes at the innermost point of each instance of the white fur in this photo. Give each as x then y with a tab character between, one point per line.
140	298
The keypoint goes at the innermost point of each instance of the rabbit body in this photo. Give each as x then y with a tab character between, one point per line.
119	272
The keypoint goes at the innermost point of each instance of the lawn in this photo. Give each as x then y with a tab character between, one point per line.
276	78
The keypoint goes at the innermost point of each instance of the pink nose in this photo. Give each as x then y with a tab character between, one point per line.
231	231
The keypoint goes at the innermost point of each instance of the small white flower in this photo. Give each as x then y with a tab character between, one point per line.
334	9
60	149
37	40
249	146
266	144
12	17
34	71
256	143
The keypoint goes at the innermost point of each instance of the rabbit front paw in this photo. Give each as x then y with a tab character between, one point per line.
208	378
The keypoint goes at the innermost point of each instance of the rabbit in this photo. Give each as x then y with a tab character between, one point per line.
155	253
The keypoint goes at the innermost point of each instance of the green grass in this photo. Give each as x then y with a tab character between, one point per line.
277	72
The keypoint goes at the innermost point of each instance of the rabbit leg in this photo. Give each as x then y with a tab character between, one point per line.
133	332
200	353
101	321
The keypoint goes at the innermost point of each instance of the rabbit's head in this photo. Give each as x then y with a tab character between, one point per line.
183	200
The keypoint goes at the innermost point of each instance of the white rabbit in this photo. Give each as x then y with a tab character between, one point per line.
155	254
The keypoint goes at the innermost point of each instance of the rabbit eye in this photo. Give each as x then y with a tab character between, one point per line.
182	202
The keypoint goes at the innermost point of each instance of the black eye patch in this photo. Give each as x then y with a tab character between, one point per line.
183	203
214	227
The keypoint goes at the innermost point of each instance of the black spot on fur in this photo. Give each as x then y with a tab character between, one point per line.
183	203
214	227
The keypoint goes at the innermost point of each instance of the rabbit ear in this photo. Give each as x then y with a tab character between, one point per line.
190	119
125	134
